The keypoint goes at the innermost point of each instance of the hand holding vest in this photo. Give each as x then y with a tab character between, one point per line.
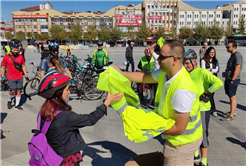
139	124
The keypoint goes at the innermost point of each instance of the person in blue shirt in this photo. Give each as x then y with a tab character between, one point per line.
54	51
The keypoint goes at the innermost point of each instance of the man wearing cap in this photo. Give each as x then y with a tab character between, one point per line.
14	75
129	56
100	57
45	53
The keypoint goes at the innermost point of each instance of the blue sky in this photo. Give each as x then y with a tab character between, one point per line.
7	7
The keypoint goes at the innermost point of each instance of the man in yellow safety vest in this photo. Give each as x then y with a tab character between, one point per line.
178	95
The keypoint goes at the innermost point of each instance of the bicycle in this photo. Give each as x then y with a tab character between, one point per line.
31	87
145	93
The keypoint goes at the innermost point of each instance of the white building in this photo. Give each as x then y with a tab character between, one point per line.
190	16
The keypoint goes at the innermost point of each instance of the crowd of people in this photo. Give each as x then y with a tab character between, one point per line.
185	93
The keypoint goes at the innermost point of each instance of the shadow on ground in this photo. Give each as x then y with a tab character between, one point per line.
236	141
23	99
120	154
239	106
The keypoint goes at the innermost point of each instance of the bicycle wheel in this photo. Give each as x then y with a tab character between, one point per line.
134	87
91	92
145	95
31	87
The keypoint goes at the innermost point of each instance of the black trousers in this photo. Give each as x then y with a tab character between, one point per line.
211	98
131	61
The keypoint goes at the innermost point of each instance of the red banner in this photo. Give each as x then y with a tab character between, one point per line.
126	20
153	17
29	16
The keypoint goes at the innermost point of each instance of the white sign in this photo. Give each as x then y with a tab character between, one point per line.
44	30
161	10
157	24
150	4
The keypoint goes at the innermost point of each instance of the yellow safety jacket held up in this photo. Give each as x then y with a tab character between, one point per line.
149	66
139	124
8	49
202	78
194	127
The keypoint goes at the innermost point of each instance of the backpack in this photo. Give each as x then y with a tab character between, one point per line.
40	151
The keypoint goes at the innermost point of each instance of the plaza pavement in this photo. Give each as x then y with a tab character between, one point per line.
107	145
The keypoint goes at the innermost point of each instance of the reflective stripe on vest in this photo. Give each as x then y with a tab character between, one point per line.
149	66
194	126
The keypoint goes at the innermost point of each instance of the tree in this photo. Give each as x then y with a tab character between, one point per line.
104	34
215	32
37	36
20	35
91	33
8	35
45	36
228	31
173	34
160	33
143	32
130	33
76	32
186	33
241	26
54	32
63	35
116	34
200	32
29	35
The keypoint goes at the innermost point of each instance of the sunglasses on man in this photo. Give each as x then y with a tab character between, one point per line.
162	57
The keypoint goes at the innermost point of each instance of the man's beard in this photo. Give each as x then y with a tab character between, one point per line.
15	54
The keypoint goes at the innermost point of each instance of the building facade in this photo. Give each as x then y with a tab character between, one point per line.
190	16
161	13
128	15
40	18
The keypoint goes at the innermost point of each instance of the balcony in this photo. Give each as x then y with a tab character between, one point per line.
29	30
28	23
65	23
45	23
34	23
34	30
19	23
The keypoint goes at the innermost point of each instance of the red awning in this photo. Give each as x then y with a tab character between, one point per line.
149	40
41	41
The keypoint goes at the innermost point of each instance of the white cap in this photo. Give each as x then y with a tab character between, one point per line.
132	43
45	45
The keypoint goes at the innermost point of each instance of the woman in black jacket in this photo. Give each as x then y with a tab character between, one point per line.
63	134
211	63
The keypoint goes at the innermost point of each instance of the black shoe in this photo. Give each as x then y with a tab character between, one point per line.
19	108
197	158
201	164
9	105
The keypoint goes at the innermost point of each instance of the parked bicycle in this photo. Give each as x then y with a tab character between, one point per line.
145	92
31	87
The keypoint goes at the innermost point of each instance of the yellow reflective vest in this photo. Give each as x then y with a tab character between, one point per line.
149	66
8	49
194	127
139	124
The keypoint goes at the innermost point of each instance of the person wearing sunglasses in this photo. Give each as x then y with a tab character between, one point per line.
176	98
202	78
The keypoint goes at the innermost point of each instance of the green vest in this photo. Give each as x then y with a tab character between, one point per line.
149	66
194	127
101	58
8	49
202	78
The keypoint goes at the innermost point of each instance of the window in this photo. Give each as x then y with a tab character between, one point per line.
44	26
102	20
34	26
189	23
34	20
28	20
210	16
204	16
28	27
